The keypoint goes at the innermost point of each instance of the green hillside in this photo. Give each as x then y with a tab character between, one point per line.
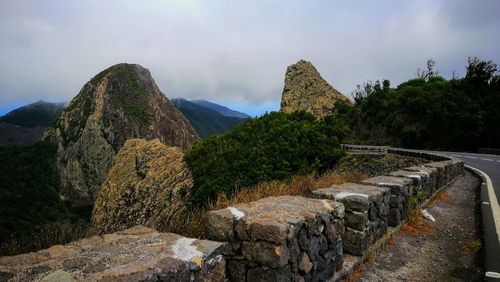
40	113
205	121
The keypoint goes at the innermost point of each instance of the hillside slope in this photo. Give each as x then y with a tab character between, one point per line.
25	125
225	111
206	121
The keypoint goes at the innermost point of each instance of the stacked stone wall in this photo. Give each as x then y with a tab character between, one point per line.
366	213
286	238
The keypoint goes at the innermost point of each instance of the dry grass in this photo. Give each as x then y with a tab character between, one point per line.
297	185
417	226
358	273
472	246
440	197
191	223
391	242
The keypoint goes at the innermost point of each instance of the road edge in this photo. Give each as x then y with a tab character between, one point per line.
490	214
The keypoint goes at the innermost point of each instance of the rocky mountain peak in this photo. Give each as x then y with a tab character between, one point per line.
306	90
119	103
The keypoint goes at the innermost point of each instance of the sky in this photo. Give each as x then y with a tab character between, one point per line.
235	52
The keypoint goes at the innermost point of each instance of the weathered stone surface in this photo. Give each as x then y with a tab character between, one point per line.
306	90
120	103
58	276
269	274
148	185
401	191
394	218
432	175
367	208
450	168
421	184
305	263
266	253
356	220
275	234
136	254
355	242
398	186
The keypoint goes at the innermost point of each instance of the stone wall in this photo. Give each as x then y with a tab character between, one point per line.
366	209
286	238
261	235
135	254
401	190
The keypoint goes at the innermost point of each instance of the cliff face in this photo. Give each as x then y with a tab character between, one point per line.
148	184
120	103
306	90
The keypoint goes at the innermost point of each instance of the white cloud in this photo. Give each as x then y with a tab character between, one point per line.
230	51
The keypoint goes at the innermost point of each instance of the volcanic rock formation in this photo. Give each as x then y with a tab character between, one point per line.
306	90
120	103
148	184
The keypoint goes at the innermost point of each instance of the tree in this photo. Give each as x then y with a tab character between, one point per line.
428	73
480	72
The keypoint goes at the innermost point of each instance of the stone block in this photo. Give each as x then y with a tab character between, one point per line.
366	207
420	182
401	190
135	254
355	242
356	220
432	176
282	238
440	168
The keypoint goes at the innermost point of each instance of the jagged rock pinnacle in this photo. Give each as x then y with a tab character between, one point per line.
306	90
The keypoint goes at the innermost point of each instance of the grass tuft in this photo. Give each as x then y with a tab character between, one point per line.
416	225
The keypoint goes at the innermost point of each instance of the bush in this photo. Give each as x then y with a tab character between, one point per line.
272	147
29	190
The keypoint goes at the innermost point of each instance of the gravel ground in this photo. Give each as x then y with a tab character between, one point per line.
449	254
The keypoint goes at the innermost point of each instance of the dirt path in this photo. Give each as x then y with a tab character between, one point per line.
444	250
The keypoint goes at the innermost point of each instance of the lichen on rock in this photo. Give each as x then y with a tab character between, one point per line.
148	184
306	90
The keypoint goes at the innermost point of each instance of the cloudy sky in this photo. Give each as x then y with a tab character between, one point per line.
235	52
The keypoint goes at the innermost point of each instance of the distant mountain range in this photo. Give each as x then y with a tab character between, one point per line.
25	125
225	111
208	118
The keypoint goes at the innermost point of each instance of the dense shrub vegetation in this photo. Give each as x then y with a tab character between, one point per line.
29	193
272	147
430	111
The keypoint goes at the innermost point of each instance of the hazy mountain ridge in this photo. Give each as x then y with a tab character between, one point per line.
205	120
223	110
25	125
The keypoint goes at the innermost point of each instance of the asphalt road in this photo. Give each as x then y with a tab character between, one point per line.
489	164
490	193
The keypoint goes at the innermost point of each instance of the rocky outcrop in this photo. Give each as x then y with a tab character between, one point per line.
135	254
120	103
148	184
306	90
